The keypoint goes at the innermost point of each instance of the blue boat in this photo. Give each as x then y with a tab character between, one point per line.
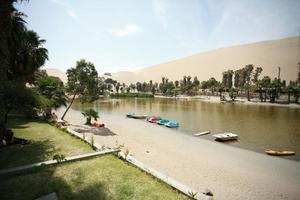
171	124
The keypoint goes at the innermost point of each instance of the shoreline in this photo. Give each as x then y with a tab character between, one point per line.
229	172
216	99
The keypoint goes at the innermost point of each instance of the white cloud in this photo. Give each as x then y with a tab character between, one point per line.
128	29
72	13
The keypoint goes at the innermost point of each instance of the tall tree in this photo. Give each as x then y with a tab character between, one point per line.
21	54
196	82
52	88
256	74
227	79
82	81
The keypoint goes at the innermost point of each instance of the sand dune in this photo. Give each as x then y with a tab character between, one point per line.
58	73
267	54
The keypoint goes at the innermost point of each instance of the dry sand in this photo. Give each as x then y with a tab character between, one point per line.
266	54
230	173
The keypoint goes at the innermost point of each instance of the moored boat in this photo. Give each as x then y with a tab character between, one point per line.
153	119
280	153
162	121
171	124
225	136
136	116
202	133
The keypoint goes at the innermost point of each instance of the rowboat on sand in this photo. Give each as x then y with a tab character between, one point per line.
153	119
280	153
225	136
162	121
136	116
202	133
171	124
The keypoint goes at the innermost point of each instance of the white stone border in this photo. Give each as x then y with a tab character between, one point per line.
52	162
168	180
80	136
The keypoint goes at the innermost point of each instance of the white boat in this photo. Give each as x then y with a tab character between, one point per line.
225	136
202	133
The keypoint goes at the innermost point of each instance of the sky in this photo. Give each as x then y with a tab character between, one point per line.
126	35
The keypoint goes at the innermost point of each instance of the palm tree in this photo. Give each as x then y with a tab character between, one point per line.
89	114
21	55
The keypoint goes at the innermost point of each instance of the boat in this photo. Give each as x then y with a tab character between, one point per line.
98	125
162	121
136	116
280	153
202	133
171	124
153	119
225	136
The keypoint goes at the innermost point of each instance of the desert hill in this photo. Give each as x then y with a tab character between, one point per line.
58	73
268	54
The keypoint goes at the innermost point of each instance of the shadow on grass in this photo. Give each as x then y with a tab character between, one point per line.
44	180
16	155
19	122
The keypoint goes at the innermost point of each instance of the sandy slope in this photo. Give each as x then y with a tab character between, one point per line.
230	173
267	54
58	73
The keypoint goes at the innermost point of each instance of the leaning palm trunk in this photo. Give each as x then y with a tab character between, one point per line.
69	106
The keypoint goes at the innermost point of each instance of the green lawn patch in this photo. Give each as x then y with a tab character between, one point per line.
105	177
45	142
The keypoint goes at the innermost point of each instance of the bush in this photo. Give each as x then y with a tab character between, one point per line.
140	95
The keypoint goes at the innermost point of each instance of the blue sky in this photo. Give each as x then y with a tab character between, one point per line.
125	35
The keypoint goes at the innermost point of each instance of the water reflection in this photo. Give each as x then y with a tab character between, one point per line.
259	127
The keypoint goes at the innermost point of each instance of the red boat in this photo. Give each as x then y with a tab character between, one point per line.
153	119
98	125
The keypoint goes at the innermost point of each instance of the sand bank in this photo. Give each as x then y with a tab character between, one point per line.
216	99
230	173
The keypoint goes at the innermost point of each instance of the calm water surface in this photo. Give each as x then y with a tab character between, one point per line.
258	127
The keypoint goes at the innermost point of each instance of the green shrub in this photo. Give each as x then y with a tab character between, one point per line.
59	157
139	95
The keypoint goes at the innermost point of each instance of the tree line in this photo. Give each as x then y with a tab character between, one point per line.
245	81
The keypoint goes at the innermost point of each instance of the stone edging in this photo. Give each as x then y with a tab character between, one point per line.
16	170
168	180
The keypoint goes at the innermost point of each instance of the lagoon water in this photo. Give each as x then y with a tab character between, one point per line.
259	127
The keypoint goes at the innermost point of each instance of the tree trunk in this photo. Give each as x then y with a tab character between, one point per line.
248	95
260	95
265	96
69	106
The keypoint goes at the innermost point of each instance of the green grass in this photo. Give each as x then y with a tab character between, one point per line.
45	141
105	177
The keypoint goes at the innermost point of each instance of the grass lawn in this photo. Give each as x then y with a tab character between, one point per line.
45	141
105	177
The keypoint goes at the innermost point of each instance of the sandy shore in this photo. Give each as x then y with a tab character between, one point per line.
216	99
230	173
